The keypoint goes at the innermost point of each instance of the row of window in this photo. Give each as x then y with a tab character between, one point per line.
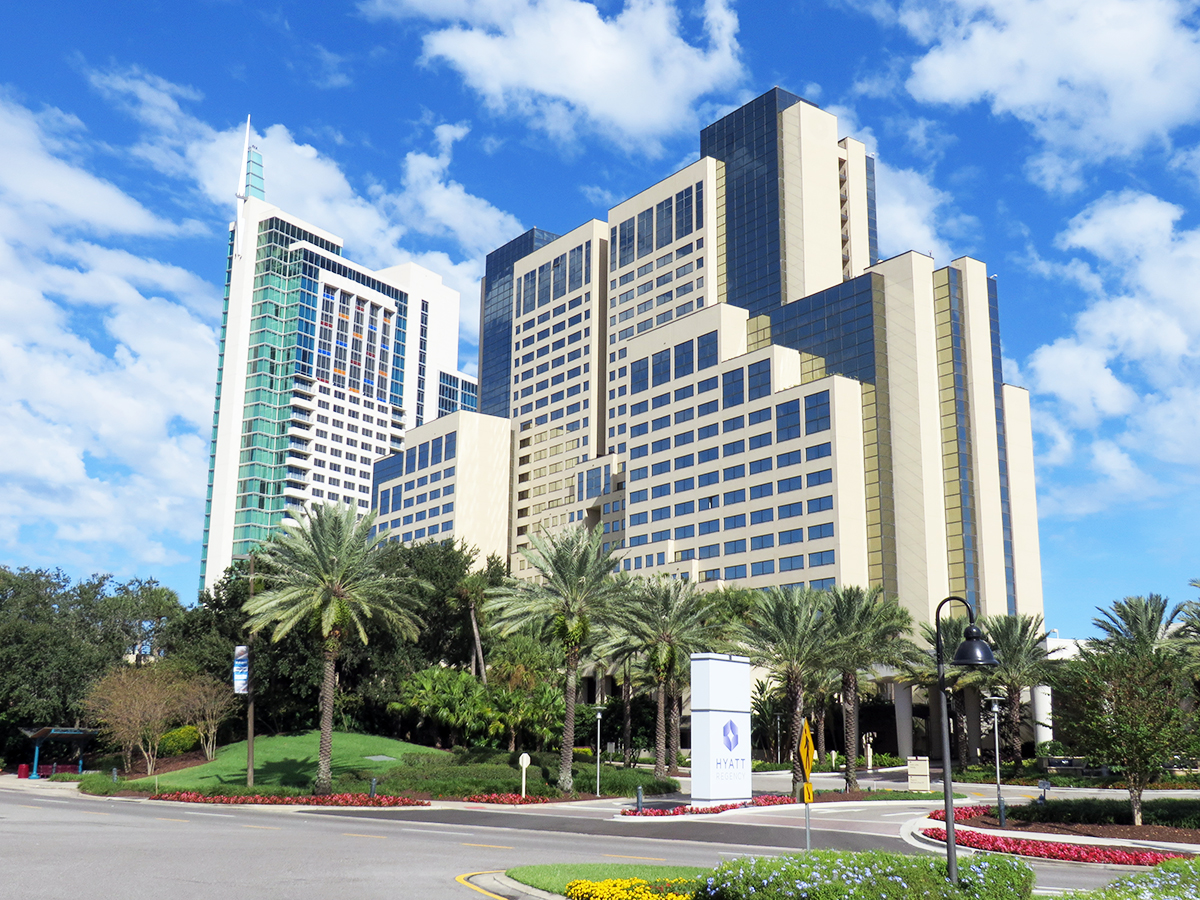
554	364
445	528
430	453
656	227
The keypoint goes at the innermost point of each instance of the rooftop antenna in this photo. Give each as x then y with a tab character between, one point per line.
240	193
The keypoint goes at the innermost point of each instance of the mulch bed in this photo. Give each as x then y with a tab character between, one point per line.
1113	832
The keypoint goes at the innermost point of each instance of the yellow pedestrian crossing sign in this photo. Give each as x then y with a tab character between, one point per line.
808	792
806	755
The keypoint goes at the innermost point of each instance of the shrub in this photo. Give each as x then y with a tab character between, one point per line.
181	740
873	875
1171	880
1168	812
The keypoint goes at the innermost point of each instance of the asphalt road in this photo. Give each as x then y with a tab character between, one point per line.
57	844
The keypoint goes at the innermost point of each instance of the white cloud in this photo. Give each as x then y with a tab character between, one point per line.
633	76
914	214
106	364
1093	79
378	225
1127	377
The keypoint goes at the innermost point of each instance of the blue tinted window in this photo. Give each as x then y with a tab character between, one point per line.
661	367
759	379
760	440
825	476
791	458
790	563
793	536
709	551
707	455
758	516
734	447
823	558
639	376
706	385
683	359
660	468
820	504
795	483
706	351
685	509
738	546
733	385
682	462
732	472
787	421
762	541
732	424
819	451
816	412
684	484
760	415
663	512
738	496
758	491
760	465
732	573
708	478
766	567
685	531
816	532
639	429
789	510
711	526
707	431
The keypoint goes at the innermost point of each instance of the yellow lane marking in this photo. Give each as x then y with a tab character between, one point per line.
27	806
494	846
652	858
88	812
462	879
353	834
263	827
161	819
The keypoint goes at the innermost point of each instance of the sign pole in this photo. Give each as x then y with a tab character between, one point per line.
807	751
524	761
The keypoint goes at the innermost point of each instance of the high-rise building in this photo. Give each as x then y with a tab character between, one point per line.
323	364
723	316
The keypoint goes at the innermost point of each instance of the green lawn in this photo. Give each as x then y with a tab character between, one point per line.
555	878
287	760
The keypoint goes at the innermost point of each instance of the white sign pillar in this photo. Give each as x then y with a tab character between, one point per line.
720	728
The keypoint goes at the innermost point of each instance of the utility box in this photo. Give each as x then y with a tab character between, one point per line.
918	773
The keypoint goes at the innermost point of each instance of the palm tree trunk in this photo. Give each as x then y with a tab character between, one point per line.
1014	723
795	726
820	715
566	756
627	716
958	709
660	730
478	647
324	782
673	731
850	727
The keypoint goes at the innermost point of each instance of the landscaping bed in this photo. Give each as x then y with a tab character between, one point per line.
1090	853
1173	821
684	809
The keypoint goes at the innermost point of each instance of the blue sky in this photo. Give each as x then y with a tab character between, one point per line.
1057	140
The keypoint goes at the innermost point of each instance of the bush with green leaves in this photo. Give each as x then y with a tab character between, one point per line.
872	875
181	740
1175	879
1089	811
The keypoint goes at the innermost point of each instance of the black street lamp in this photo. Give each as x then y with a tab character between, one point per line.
973	651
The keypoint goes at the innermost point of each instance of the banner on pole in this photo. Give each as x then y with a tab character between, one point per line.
241	670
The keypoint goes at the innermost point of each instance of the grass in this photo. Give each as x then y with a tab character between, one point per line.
282	761
555	878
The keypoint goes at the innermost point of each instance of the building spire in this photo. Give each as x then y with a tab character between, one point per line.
240	192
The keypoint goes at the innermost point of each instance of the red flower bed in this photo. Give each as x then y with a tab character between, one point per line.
961	813
265	800
514	799
764	800
1054	849
683	810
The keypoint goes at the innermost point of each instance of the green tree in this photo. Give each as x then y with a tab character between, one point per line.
865	630
1131	701
1019	645
1139	623
667	619
787	633
923	670
327	579
573	589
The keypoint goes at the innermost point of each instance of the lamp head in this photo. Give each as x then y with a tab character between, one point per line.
974	650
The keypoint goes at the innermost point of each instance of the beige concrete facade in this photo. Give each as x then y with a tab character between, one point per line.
458	487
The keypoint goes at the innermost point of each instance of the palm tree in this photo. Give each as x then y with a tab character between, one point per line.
326	580
787	634
1019	643
576	588
472	591
668	620
923	670
1141	623
866	630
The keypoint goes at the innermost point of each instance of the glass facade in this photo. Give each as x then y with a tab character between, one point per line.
1010	584
843	331
957	463
496	333
747	142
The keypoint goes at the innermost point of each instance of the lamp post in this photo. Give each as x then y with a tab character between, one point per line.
599	713
994	704
249	684
973	651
